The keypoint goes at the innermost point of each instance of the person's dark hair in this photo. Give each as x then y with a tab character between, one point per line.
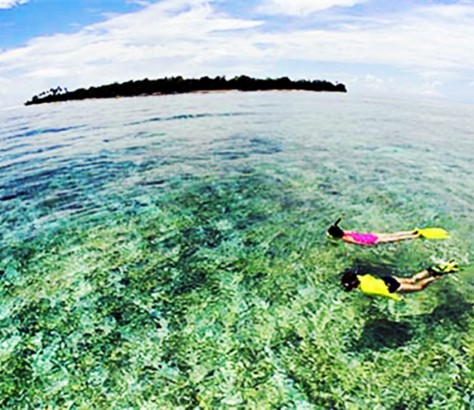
349	280
335	231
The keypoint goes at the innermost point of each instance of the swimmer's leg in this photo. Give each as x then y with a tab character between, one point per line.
395	237
416	287
415	278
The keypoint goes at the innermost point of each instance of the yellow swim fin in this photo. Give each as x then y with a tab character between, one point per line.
443	268
433	233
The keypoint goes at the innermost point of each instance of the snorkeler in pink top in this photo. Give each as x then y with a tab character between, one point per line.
369	239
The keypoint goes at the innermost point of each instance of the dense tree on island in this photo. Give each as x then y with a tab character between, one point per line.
179	85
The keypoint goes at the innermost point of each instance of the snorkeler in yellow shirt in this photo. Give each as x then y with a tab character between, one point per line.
391	286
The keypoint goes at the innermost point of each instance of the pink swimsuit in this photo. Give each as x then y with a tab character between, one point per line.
367	239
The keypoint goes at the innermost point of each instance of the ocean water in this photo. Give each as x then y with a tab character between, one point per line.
170	251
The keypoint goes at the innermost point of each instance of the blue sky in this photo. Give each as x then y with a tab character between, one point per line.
419	48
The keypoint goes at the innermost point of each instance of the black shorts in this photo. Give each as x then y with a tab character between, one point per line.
391	282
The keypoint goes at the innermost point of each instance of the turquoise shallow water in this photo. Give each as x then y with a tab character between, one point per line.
60	160
381	164
186	206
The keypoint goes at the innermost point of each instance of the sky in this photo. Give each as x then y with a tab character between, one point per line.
418	48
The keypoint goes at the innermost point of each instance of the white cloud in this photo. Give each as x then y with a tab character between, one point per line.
7	4
174	37
302	7
431	88
139	2
421	40
191	38
370	82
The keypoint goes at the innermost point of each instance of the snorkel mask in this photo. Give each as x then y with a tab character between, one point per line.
349	280
334	231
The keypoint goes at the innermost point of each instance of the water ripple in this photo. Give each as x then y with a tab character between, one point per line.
36	132
190	117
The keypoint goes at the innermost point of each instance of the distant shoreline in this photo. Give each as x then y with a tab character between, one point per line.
180	85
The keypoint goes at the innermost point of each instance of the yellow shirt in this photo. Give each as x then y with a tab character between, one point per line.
370	285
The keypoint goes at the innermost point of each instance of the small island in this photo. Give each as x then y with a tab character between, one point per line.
180	85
